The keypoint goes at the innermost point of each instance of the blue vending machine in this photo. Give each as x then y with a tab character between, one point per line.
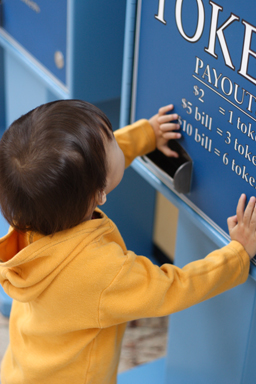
199	55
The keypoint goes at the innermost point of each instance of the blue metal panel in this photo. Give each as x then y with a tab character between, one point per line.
32	66
216	102
3	223
131	206
249	373
126	89
197	221
151	373
2	99
97	35
41	28
207	343
88	33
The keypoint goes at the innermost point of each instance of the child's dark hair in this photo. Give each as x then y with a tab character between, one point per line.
52	163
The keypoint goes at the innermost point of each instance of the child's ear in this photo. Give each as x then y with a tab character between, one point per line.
102	197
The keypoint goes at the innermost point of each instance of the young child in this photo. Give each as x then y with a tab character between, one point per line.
73	282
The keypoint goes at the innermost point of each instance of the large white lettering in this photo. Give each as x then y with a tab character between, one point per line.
224	84
33	5
160	14
200	21
214	32
249	29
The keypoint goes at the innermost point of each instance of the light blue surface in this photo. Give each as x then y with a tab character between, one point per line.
36	70
249	372
5	303
207	343
4	226
23	91
5	300
151	373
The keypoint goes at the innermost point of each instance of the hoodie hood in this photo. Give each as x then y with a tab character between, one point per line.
29	262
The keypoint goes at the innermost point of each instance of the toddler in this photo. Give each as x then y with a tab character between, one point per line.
73	282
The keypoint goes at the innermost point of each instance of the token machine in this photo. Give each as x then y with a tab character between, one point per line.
199	55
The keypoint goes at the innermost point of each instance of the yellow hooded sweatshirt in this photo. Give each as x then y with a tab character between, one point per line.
73	292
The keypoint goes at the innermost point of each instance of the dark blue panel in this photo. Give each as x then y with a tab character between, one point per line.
214	97
40	26
98	49
3	223
2	89
131	206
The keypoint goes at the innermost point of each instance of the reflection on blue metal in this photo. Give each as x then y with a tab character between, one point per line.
5	303
128	62
41	28
150	373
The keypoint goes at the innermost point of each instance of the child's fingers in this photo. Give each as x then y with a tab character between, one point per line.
171	135
169	127
249	211
165	109
232	222
162	119
169	152
240	207
253	218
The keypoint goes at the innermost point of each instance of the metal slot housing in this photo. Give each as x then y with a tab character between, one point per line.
176	173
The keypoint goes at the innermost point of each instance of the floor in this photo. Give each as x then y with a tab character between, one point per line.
144	341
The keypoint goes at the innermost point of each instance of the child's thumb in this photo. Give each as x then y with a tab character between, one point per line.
232	222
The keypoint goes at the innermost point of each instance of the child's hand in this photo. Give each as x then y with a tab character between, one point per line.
164	129
242	226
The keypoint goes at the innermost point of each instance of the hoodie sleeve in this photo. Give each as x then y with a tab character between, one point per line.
142	289
136	140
